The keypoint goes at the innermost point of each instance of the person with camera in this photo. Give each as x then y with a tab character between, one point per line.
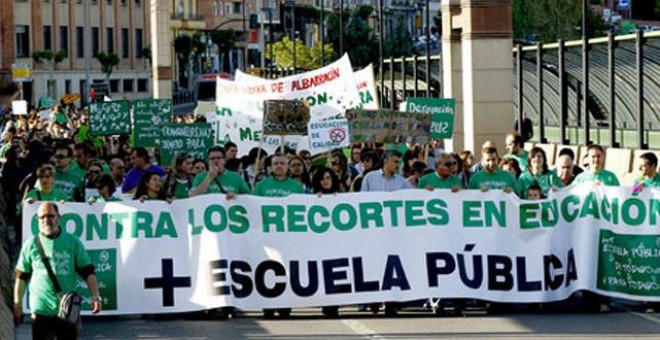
48	266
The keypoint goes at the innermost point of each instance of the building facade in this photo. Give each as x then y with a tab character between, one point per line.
81	28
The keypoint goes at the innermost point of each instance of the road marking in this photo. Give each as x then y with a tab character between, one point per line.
362	329
646	317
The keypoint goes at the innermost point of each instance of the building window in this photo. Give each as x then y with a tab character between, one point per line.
64	39
138	3
124	43
238	8
128	85
109	2
138	43
80	42
48	40
110	39
114	85
82	87
142	85
95	41
67	86
22	41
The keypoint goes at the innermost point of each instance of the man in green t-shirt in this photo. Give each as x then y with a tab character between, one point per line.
596	172
648	163
69	259
516	148
67	180
442	178
492	177
279	184
218	179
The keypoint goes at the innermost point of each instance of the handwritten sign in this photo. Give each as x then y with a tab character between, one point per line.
327	135
195	139
109	118
19	107
442	111
286	117
149	117
388	126
629	263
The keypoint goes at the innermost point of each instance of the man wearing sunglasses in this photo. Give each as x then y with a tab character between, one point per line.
67	179
443	177
218	179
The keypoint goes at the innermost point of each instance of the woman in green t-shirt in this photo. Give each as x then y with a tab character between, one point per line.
539	173
149	188
178	181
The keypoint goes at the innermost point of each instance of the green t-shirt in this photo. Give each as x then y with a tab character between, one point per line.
230	181
434	180
54	196
181	188
66	255
271	187
604	176
3	150
546	181
522	159
68	181
100	199
649	182
499	179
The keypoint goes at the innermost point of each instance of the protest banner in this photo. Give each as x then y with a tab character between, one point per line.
327	135
19	107
285	117
442	111
366	86
109	118
149	117
254	252
388	126
194	139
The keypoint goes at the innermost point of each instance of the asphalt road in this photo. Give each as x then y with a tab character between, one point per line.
413	323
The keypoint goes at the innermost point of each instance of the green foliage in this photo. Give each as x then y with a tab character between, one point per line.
550	20
48	56
306	57
146	53
360	41
225	39
108	62
183	44
400	42
197	45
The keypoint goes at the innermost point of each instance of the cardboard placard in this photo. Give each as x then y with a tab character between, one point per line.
286	117
388	126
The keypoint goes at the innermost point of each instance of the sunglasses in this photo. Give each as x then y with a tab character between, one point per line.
450	164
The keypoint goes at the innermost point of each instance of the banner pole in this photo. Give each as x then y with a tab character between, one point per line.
282	145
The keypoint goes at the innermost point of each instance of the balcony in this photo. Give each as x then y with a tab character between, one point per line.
188	21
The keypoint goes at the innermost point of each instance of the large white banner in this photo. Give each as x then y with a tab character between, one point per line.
366	86
305	250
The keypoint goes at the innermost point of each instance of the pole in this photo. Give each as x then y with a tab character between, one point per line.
585	72
245	34
428	52
270	38
341	27
293	32
322	33
88	46
380	51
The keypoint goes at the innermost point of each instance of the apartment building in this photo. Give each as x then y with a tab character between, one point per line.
77	27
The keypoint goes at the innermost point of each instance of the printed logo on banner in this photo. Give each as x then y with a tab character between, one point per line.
327	135
105	264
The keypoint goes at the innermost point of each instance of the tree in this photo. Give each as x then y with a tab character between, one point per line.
108	62
360	40
400	42
50	58
188	49
306	57
226	41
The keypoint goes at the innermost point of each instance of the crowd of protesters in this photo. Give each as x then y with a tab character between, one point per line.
51	156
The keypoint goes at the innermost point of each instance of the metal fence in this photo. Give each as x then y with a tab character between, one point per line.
416	76
620	92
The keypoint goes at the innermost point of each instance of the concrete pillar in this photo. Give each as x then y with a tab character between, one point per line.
161	42
486	105
452	68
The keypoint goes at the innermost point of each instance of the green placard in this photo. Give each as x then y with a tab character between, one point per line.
629	263
195	139
442	110
109	118
149	117
105	264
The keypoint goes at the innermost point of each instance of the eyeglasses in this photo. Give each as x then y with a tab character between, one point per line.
43	217
450	164
335	163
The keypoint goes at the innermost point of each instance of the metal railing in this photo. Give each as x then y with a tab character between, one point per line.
416	76
622	95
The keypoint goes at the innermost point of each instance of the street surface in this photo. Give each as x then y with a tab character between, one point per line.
413	323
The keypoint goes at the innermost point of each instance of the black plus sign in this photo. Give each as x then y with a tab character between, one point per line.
167	282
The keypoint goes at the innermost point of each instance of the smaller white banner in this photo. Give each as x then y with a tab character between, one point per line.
327	135
19	107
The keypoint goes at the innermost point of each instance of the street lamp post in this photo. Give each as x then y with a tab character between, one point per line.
341	27
322	33
585	71
427	27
